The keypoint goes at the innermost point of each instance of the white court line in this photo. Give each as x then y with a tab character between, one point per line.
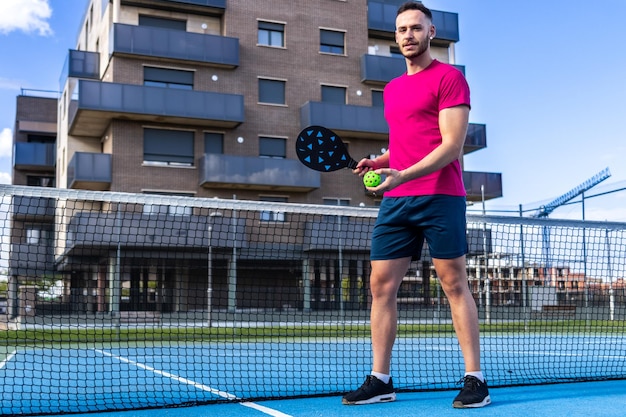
265	410
8	358
203	387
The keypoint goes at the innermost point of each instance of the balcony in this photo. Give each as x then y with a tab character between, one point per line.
147	231
80	64
326	235
35	208
216	6
35	156
209	3
476	138
380	69
31	260
176	45
203	6
89	171
492	181
99	102
254	173
355	121
381	20
369	122
479	241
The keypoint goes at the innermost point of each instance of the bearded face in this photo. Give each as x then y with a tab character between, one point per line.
413	33
414	48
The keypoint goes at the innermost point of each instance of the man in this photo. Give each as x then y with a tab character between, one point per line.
427	110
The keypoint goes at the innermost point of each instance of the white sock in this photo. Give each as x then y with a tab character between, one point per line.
477	374
383	377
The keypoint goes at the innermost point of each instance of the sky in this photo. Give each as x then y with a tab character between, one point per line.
547	79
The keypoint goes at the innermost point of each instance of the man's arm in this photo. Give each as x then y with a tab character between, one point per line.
453	123
453	126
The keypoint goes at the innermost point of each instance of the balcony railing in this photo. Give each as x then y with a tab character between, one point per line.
380	69
358	121
147	231
476	138
326	234
31	260
220	4
35	156
161	43
492	182
80	64
369	122
99	102
32	207
231	171
381	17
91	171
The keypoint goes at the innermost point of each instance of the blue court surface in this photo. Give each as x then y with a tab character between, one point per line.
530	375
606	399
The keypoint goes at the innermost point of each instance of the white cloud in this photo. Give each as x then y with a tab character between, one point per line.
5	178
30	16
8	84
6	143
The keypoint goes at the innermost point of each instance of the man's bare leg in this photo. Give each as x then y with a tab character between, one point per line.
385	281
453	277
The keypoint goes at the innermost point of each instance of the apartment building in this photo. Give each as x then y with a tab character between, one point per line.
204	98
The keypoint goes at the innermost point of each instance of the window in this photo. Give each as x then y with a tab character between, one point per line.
336	201
273	216
155	209
271	34
272	147
40	181
395	52
377	98
332	94
86	34
41	139
35	235
168	147
332	42
163	23
213	143
163	77
271	91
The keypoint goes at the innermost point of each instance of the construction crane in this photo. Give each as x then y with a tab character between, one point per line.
544	211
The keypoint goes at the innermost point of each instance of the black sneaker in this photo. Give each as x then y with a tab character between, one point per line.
474	393
372	391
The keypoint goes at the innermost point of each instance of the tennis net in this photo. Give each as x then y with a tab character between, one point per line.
115	301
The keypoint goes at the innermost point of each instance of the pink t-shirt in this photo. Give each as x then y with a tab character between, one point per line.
412	105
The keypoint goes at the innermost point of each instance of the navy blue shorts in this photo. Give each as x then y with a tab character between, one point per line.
404	222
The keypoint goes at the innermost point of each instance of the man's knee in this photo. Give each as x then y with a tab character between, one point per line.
382	287
454	286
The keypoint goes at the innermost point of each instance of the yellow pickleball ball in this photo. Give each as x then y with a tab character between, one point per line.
371	179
